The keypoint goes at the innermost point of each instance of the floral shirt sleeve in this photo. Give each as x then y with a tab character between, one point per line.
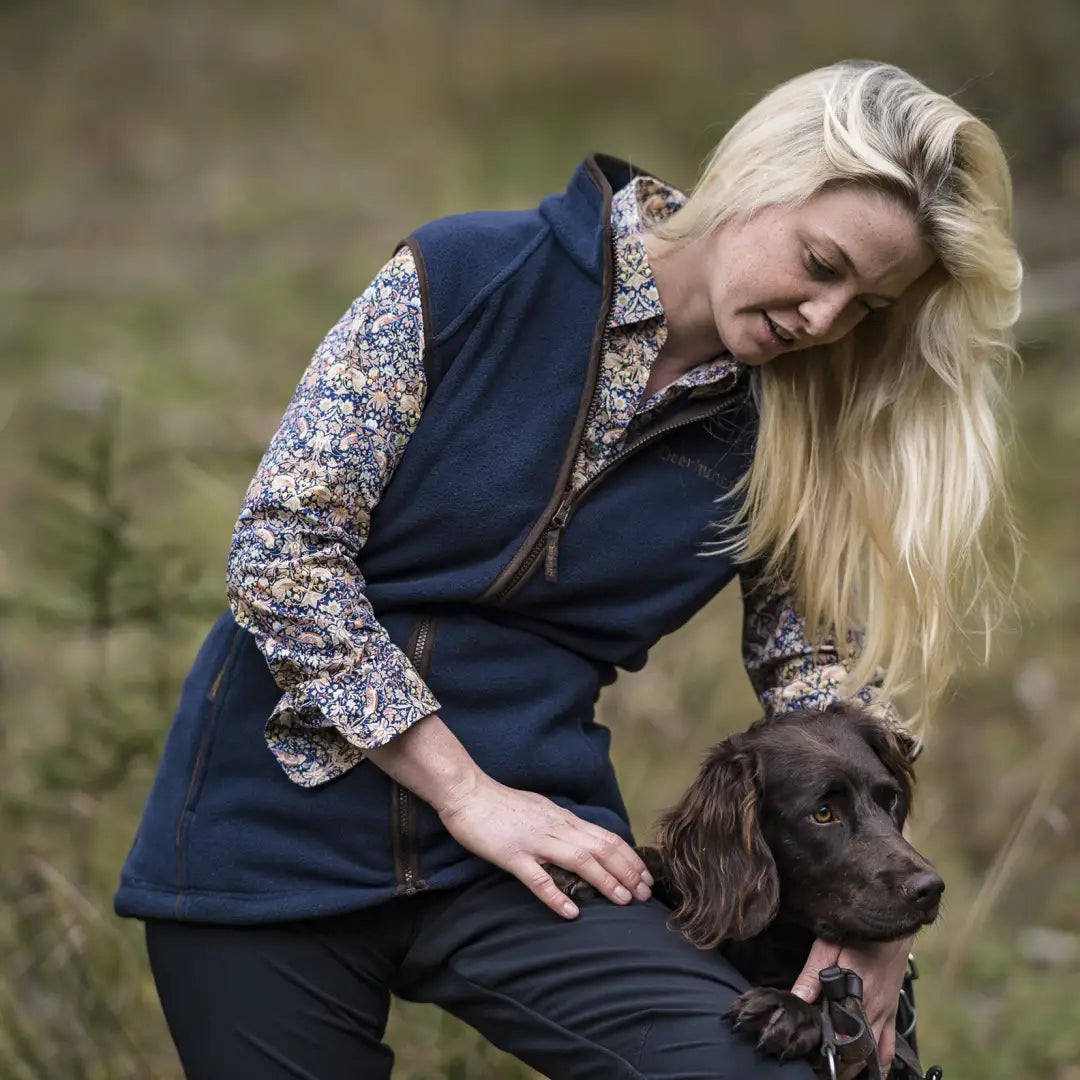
786	670
293	580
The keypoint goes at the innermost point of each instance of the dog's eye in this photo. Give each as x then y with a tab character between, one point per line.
823	814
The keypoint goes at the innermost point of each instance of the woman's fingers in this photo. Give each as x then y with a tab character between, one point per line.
822	955
538	881
619	859
519	830
577	856
580	858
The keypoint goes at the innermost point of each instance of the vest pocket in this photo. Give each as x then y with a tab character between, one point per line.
403	810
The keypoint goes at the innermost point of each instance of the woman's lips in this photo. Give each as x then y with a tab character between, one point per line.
779	336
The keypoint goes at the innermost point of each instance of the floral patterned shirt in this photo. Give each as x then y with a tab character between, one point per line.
292	574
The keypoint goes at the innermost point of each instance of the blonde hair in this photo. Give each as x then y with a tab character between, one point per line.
877	492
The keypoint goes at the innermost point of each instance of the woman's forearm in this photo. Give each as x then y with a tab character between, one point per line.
430	761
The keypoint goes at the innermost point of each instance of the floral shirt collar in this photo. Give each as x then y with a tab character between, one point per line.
643	201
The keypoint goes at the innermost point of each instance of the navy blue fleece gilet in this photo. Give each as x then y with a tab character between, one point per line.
515	604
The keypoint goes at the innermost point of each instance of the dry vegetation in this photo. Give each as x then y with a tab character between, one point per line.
192	193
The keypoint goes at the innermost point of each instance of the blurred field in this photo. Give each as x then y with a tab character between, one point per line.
191	194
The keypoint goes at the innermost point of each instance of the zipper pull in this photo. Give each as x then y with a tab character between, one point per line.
551	559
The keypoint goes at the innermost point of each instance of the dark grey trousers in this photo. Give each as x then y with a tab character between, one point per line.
612	994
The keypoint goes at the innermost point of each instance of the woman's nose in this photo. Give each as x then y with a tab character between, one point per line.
823	316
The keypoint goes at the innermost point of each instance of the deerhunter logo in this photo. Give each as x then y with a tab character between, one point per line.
694	465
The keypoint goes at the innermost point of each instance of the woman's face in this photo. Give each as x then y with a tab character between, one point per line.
792	277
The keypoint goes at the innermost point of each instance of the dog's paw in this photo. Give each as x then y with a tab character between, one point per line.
569	883
781	1023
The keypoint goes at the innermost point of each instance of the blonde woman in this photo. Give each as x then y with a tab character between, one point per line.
491	490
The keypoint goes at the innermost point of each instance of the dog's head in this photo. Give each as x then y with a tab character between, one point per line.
800	816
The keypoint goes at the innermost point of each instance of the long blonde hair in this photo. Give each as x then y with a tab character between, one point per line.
877	492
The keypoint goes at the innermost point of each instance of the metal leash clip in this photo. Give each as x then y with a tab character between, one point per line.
907	1048
846	1035
906	1016
828	1043
830	1060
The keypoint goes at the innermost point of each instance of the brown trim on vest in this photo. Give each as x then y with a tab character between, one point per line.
428	358
403	829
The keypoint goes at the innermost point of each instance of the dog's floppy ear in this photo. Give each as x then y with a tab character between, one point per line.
895	748
714	853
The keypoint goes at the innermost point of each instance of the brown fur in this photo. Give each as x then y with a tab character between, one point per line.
714	856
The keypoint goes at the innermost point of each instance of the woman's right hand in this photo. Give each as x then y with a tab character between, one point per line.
519	831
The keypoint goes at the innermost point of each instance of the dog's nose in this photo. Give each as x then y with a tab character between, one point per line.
926	889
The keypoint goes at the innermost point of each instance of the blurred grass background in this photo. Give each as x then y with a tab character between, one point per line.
191	194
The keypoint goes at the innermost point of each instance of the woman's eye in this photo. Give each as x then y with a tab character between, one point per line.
818	267
823	814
